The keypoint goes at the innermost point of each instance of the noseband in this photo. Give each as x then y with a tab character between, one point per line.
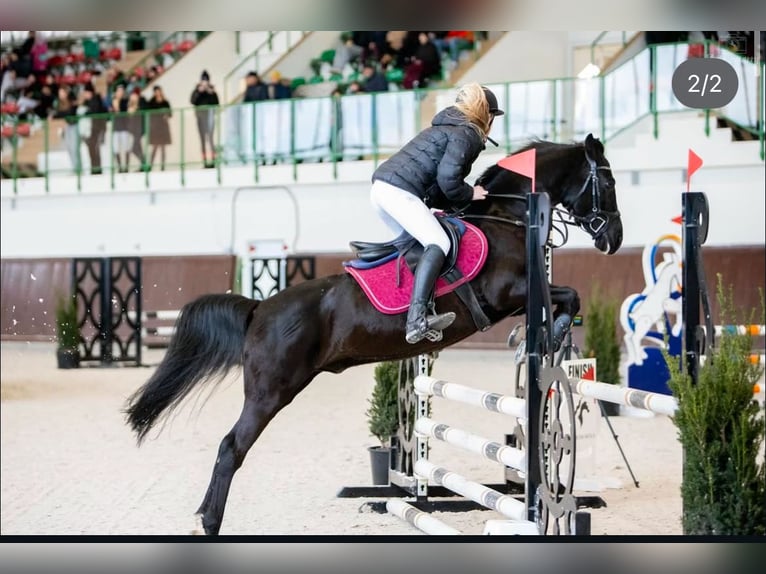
597	221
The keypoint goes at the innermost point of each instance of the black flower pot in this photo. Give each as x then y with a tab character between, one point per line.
380	460
68	358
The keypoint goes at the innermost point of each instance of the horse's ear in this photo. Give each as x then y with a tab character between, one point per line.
593	147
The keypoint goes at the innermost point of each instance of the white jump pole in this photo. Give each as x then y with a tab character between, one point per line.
491	450
419	519
502	503
654	402
468	395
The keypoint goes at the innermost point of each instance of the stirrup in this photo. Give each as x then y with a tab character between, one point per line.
432	329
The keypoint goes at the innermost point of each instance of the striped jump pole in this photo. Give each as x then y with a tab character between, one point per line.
752	330
653	402
502	503
452	391
419	519
509	456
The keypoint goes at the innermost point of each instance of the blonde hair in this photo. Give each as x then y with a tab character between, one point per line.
472	102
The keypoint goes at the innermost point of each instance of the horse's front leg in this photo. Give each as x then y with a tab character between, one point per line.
567	304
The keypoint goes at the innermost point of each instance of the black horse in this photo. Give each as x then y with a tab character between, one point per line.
328	324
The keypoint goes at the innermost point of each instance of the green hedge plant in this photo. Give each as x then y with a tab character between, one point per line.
601	337
721	428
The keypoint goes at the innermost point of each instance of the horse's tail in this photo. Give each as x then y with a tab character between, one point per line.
208	341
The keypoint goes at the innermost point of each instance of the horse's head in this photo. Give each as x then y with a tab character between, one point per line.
590	197
576	176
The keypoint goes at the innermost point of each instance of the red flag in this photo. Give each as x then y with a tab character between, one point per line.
522	163
679	219
694	163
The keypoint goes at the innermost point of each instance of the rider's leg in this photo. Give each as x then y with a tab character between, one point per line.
401	208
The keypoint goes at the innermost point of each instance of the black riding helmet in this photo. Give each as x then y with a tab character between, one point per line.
492	101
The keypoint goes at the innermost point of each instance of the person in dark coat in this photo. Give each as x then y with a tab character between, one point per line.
374	81
94	105
204	96
255	89
431	169
159	127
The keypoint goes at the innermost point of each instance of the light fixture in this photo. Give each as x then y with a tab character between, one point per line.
589	71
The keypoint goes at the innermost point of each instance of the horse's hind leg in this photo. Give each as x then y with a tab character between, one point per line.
264	398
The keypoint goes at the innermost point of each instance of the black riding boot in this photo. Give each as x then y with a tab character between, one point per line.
426	273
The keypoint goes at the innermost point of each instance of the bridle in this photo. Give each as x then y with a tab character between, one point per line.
594	223
597	221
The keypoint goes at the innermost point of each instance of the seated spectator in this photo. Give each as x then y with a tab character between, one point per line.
453	41
255	89
373	45
374	81
152	74
428	55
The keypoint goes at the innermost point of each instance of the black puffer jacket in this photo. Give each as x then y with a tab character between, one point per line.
434	164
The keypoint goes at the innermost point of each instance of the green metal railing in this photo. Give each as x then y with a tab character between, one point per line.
372	126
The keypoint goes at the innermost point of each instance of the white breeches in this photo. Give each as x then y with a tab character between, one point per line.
401	211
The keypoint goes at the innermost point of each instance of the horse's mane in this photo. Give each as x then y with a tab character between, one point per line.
542	147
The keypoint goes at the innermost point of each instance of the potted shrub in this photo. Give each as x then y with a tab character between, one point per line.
602	342
383	418
721	428
67	333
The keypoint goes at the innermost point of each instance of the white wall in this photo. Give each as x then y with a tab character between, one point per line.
329	215
521	56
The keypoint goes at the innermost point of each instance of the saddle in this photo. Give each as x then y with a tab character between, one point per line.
377	255
407	246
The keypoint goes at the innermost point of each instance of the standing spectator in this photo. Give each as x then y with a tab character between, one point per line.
374	81
66	108
23	60
94	106
135	125
159	128
45	102
203	98
279	88
346	52
255	89
336	119
121	138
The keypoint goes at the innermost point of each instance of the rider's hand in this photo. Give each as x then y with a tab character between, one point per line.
479	192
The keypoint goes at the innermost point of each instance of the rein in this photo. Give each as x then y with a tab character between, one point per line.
516	222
